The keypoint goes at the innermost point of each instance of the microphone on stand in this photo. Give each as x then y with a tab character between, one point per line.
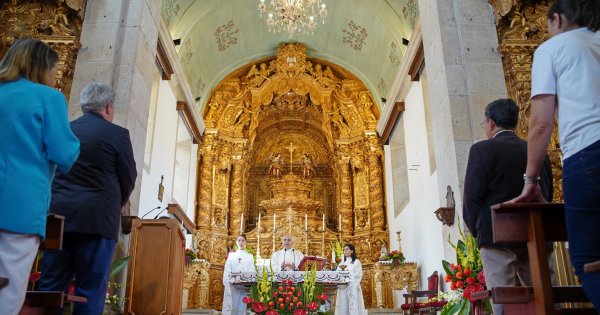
294	256
284	254
145	214
161	211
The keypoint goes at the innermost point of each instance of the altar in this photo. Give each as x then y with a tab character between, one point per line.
326	278
329	280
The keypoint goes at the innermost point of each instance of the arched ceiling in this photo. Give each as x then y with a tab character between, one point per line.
220	36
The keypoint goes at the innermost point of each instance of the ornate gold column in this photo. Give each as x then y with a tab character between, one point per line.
237	206
375	152
205	187
345	195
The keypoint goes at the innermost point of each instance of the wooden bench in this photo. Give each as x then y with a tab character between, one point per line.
46	303
534	224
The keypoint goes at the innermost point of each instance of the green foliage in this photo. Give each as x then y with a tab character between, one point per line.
117	266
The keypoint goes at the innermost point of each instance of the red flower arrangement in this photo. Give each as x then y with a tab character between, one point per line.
465	277
288	299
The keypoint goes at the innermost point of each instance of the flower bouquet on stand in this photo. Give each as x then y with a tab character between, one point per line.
396	257
465	277
189	256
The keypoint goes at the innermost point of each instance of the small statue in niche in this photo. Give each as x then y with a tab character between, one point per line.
449	198
383	253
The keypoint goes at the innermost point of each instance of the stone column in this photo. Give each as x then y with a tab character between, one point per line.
118	47
464	72
375	152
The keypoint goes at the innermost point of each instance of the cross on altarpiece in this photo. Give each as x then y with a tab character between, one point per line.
292	147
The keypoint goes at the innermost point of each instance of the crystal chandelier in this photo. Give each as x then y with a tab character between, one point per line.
293	16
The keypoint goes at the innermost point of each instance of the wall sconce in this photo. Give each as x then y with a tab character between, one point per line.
161	188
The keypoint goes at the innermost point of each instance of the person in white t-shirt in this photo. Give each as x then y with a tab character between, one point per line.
566	78
238	261
287	258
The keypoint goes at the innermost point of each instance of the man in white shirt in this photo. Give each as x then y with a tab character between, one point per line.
287	258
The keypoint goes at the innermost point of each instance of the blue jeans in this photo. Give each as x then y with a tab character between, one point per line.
86	256
581	186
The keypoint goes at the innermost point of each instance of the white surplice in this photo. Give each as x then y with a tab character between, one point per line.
349	300
286	256
238	261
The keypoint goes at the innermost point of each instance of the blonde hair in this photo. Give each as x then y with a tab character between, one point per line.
29	58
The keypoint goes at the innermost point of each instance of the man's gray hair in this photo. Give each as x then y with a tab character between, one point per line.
95	96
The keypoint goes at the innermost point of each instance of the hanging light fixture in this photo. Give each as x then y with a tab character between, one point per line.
293	16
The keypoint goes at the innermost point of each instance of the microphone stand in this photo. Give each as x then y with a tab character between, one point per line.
147	213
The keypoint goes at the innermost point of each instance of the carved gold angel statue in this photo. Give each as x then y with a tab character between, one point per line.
307	166
276	161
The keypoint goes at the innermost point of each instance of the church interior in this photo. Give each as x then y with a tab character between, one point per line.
356	128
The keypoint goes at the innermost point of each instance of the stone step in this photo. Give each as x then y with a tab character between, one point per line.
200	311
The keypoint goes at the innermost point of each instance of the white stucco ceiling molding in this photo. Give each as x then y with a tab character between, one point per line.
196	22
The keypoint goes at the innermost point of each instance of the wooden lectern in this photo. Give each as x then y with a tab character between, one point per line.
155	277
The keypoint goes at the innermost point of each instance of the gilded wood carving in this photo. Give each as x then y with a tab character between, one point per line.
293	139
57	23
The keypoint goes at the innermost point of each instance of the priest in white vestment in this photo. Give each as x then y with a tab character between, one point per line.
349	300
287	258
238	261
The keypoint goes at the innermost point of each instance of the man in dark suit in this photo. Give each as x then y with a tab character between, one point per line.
90	197
495	174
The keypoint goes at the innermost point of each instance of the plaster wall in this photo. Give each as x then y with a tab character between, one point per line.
413	189
162	157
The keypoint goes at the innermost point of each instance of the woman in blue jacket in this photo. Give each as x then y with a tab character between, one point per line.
35	139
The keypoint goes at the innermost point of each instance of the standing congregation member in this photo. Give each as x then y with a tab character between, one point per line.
287	258
349	299
90	197
565	77
494	174
238	261
35	139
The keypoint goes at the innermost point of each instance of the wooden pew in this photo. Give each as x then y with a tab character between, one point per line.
534	224
55	225
46	303
38	302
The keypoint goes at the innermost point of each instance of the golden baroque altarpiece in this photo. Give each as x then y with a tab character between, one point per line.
290	148
55	22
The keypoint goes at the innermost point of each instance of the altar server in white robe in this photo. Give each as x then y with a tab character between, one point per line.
349	300
238	261
287	258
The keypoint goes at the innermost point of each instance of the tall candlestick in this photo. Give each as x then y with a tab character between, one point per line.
258	237
274	231
306	222
323	222
259	215
242	224
340	223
